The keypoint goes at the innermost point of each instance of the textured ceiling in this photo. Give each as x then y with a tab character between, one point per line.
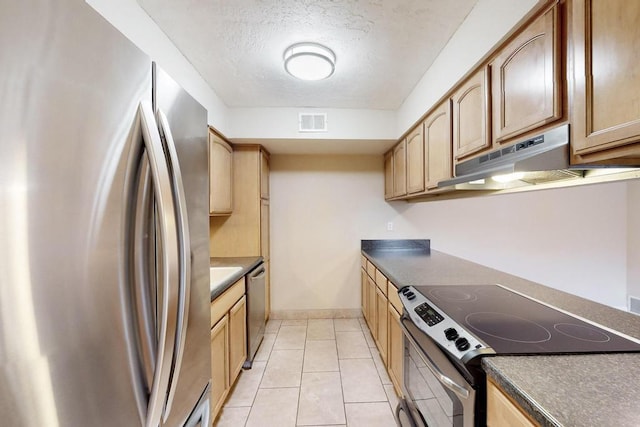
383	47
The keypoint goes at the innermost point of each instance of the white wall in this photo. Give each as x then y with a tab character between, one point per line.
321	206
128	17
633	242
282	123
487	23
572	239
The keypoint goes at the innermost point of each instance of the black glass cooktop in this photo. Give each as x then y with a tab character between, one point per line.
514	324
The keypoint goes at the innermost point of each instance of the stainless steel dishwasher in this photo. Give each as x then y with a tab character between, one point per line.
256	290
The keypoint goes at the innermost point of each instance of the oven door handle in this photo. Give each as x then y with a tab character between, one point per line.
459	390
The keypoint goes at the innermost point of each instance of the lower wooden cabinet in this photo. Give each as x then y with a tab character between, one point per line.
381	324
237	338
501	411
228	342
219	364
381	308
395	359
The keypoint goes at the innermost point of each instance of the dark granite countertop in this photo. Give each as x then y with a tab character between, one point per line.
556	390
246	263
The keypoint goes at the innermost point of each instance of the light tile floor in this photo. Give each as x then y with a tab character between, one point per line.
316	372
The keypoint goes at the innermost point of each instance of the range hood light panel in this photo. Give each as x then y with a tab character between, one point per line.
478	182
510	177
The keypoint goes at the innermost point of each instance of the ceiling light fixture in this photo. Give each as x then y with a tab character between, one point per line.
309	61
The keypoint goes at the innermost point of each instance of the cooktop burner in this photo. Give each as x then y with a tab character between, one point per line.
504	322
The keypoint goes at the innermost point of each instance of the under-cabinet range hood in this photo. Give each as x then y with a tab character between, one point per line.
538	160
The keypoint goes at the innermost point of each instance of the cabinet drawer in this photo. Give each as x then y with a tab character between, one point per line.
363	261
371	270
381	282
393	297
221	305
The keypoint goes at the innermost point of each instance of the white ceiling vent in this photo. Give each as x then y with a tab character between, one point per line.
312	122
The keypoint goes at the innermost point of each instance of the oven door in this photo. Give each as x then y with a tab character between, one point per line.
436	393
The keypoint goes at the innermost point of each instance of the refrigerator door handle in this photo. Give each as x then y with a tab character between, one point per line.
185	256
169	260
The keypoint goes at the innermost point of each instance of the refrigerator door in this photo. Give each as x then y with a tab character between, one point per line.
70	86
186	120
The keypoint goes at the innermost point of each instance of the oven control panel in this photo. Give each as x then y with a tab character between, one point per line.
439	327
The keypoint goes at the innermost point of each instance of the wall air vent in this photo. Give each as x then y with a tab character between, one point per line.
312	122
634	305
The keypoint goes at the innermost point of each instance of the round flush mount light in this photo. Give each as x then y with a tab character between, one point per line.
309	61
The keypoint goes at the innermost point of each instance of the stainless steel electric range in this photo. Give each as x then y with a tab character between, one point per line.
448	329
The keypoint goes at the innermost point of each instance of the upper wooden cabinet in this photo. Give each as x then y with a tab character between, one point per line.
245	232
388	175
606	84
471	116
220	176
264	174
438	146
400	169
525	79
415	161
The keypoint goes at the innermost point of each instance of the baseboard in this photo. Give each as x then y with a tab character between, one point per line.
340	313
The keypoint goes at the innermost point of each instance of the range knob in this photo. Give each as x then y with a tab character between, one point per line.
405	290
410	296
451	334
462	344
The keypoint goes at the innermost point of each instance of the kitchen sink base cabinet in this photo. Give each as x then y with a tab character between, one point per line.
228	342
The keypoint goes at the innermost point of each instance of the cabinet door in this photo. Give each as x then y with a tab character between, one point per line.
502	412
220	176
264	228
400	169
364	294
415	161
471	117
438	145
525	79
371	306
381	324
219	364
388	175
396	350
264	175
606	108
237	338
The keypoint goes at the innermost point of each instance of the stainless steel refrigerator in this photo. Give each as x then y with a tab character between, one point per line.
104	252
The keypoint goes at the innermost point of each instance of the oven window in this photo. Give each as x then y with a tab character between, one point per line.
437	405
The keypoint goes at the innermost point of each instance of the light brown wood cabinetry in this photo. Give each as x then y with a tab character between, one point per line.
264	175
501	411
415	161
395	359
371	306
400	169
219	364
228	342
381	307
382	313
526	81
220	175
471	116
606	84
237	338
438	146
388	175
246	231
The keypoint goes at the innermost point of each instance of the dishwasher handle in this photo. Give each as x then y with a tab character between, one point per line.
258	274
